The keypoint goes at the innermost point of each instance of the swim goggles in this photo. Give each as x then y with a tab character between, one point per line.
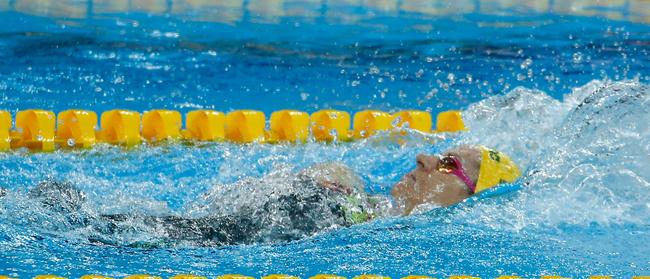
450	164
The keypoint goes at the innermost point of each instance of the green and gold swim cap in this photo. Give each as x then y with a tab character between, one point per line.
496	168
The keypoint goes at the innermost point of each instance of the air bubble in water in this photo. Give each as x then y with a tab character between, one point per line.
451	78
577	57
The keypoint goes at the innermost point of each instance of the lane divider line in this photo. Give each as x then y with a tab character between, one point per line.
41	130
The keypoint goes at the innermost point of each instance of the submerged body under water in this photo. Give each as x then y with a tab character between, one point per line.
287	207
566	97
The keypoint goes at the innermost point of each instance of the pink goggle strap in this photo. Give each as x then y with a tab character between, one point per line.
460	173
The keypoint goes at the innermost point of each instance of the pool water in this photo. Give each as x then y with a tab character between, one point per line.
566	95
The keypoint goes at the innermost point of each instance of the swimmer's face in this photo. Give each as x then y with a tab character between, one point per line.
426	184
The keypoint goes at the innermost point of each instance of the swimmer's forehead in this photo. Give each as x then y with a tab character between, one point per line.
461	152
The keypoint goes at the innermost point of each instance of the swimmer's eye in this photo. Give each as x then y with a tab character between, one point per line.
447	164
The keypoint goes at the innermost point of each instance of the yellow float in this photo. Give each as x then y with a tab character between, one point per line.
35	129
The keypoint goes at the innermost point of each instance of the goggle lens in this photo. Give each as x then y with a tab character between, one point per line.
447	164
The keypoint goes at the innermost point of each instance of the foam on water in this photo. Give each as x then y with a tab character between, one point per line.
586	157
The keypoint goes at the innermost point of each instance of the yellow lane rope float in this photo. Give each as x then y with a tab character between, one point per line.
318	276
41	130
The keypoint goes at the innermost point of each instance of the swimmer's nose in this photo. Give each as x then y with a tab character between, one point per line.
426	162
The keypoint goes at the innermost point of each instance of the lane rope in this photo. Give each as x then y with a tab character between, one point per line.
42	130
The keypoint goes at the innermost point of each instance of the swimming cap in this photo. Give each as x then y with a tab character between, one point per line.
496	168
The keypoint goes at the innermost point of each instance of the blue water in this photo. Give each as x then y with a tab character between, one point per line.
567	96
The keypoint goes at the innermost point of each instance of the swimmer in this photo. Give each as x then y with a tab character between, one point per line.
295	206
